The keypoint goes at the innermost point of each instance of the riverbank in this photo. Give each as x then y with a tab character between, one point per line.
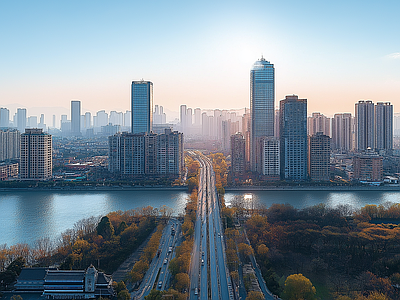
96	188
386	188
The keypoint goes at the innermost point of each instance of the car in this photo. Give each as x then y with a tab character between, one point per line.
165	261
160	284
202	262
196	291
169	249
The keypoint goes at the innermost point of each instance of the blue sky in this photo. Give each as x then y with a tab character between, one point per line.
333	53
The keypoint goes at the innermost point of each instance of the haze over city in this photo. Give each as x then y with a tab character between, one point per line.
199	54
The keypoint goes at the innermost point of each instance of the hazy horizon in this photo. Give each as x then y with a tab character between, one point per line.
198	54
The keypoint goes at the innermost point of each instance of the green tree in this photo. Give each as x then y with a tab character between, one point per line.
298	287
154	295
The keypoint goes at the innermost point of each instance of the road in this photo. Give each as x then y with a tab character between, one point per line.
209	276
158	269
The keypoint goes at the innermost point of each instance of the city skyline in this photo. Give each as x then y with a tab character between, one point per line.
92	52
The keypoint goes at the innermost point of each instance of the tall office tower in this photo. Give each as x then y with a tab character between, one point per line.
342	132
319	150
365	125
9	144
21	119
36	155
318	123
76	117
271	158
384	126
262	99
293	137
88	120
4	117
238	158
142	106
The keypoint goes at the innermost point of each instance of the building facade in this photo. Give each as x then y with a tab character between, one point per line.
238	158
142	106
76	117
293	138
319	123
271	158
367	167
319	157
342	132
262	101
365	125
4	117
384	126
36	155
141	155
10	146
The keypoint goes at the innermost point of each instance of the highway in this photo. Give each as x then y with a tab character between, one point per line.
157	276
209	276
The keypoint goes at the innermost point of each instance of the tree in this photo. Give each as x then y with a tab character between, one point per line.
253	295
154	295
298	287
182	281
245	249
16	297
105	228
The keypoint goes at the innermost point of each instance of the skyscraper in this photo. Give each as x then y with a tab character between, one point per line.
21	119
384	126
238	159
36	155
262	99
365	127
76	117
293	137
142	106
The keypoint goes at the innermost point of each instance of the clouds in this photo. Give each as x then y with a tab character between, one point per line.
395	55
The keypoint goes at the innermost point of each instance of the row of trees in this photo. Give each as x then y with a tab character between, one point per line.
317	239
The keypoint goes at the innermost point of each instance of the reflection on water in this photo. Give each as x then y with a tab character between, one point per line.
27	216
301	199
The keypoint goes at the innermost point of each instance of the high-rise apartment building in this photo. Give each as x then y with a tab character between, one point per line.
365	125
4	117
238	159
142	106
319	123
293	138
36	155
262	99
342	132
319	157
384	126
271	158
9	144
76	117
20	119
146	154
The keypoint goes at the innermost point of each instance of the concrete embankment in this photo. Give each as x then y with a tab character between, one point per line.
394	188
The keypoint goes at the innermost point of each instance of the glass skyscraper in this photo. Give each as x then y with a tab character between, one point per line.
262	101
142	106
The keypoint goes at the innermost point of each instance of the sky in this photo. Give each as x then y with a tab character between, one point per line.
198	53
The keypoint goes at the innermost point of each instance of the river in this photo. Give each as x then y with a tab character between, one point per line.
28	216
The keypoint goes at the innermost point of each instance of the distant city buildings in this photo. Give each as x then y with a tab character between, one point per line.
342	132
36	155
262	110
384	126
76	118
142	106
10	141
293	138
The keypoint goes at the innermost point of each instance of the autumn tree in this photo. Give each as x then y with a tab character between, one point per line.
298	287
105	228
253	295
182	281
